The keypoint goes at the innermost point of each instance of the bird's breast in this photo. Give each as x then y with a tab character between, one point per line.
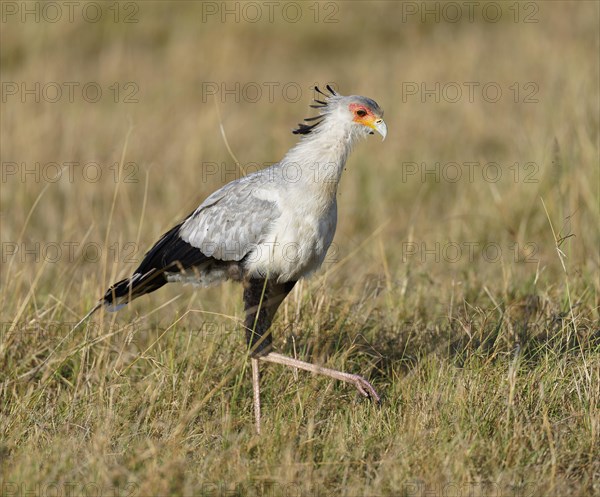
296	244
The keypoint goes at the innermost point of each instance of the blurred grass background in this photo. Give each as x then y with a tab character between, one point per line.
489	363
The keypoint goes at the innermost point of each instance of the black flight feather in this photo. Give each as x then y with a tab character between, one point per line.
170	254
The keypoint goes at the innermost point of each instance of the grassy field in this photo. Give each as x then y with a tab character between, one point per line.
463	280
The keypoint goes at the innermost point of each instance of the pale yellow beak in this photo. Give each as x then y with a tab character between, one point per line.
381	128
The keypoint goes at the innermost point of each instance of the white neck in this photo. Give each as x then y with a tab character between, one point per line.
321	155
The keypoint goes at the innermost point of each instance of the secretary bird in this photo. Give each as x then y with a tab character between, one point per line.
244	230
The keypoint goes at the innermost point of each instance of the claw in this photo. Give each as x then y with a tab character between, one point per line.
366	389
362	385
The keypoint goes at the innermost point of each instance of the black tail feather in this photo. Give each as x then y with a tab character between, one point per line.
169	254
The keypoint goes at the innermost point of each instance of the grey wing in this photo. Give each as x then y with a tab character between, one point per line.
231	222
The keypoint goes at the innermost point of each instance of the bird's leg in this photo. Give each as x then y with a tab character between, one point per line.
362	385
261	300
256	391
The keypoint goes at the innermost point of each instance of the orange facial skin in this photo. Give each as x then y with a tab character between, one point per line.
363	115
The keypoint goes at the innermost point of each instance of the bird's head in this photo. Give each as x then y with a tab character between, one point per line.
367	114
361	115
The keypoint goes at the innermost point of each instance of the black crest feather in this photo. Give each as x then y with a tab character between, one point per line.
305	129
318	90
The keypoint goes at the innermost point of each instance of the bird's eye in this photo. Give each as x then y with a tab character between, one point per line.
361	113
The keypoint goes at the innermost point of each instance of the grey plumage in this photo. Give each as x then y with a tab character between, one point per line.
267	230
231	222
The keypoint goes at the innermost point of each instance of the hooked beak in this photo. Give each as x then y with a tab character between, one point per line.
379	126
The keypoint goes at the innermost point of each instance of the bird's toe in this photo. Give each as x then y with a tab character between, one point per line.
366	389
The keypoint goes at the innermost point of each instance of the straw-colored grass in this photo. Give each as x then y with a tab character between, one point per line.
470	303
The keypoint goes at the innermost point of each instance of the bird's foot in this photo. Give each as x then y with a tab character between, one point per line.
364	387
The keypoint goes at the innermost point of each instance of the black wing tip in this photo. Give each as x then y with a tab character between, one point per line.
124	290
115	295
171	252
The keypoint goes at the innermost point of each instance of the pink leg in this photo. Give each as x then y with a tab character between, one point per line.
363	386
256	390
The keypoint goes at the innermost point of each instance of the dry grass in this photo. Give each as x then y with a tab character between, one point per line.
489	362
